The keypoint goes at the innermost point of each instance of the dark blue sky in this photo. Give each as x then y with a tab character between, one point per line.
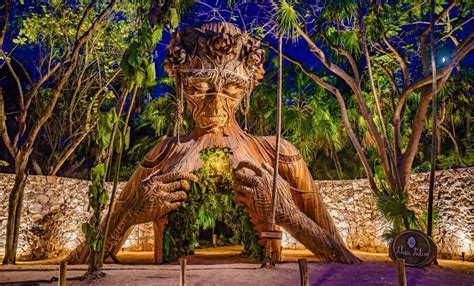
217	10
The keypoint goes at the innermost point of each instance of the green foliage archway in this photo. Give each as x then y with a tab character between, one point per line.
209	201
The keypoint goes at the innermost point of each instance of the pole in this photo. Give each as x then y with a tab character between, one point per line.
278	129
303	265
268	251
401	272
434	127
182	273
62	273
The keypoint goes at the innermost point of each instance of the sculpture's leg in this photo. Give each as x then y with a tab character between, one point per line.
259	225
119	226
158	228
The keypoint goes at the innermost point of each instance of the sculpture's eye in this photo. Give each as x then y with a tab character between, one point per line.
201	87
233	90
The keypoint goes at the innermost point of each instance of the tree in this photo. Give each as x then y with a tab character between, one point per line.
91	87
374	36
20	143
370	46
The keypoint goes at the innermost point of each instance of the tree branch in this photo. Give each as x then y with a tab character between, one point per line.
364	109
72	60
4	21
17	80
3	128
344	114
459	53
401	61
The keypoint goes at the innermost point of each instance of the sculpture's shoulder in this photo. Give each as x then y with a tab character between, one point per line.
158	153
288	152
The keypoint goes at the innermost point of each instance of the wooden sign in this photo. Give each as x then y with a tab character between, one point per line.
271	234
415	247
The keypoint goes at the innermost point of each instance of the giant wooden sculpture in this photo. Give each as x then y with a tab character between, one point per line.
215	67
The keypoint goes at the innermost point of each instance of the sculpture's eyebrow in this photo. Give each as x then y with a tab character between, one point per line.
233	77
199	72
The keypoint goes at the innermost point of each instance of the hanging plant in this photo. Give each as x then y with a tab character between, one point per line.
209	201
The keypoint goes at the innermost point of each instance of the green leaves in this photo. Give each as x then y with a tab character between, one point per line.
137	61
288	19
105	128
209	202
98	172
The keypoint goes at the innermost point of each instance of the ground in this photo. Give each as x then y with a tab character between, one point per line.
224	266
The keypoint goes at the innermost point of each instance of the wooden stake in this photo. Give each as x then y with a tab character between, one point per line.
182	275
303	271
402	275
62	273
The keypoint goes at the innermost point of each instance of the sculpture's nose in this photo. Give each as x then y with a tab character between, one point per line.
215	104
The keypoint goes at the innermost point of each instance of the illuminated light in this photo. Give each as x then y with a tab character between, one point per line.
71	240
443	59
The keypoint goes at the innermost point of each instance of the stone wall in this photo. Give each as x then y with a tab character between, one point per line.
353	208
54	209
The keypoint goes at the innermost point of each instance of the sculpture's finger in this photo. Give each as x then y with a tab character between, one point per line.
154	177
176	196
173	206
246	191
240	200
151	181
250	165
245	179
179	185
174	176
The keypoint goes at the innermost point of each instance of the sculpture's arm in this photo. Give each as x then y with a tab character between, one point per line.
304	191
254	192
154	197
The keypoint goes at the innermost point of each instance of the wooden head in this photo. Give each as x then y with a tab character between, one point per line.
215	66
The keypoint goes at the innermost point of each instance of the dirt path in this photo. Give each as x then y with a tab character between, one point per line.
223	266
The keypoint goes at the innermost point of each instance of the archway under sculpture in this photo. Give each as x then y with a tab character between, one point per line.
215	67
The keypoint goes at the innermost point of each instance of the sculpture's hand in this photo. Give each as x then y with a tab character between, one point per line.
157	195
255	191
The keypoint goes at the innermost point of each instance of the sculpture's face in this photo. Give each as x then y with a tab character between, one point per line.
213	96
215	67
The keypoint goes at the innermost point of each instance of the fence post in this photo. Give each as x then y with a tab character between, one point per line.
182	275
62	273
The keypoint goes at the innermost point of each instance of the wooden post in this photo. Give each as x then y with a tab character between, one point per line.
182	275
402	275
303	271
62	273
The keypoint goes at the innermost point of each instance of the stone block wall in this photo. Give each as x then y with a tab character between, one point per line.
55	207
353	208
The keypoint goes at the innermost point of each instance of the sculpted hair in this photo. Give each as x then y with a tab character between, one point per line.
215	46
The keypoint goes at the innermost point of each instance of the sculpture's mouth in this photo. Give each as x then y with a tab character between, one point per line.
209	120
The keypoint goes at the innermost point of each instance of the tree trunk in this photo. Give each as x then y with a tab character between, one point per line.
15	204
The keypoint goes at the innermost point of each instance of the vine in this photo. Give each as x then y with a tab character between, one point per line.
209	201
